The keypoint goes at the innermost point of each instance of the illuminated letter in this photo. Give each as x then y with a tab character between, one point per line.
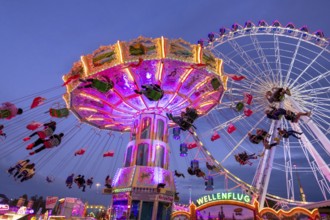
247	199
200	201
213	197
205	199
229	195
209	198
218	196
223	196
234	196
239	196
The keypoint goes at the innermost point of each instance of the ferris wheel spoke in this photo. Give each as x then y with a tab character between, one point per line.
247	59
233	64
313	80
320	119
278	59
307	67
292	61
315	91
261	54
320	108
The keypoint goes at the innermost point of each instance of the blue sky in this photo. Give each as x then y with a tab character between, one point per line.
40	40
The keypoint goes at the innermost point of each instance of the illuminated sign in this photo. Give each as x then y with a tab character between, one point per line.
165	198
51	201
223	196
122	190
4	207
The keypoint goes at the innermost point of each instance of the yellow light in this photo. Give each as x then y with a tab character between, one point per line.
90	97
120	52
184	77
199	49
129	74
85	65
87	109
206	103
112	125
95	119
163	47
160	71
201	84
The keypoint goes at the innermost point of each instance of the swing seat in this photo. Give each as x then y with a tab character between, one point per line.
192	145
247	98
101	86
183	150
231	128
108	154
215	136
154	95
215	83
239	106
59	113
248	112
79	152
176	133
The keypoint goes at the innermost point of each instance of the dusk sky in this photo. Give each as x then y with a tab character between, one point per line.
39	42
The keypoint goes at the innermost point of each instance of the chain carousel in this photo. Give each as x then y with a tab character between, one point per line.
187	78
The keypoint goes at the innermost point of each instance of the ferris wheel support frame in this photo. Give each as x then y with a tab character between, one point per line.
261	180
321	137
318	165
288	170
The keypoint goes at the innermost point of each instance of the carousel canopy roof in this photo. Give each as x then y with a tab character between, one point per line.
184	71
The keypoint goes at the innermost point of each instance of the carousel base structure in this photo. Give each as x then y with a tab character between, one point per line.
142	192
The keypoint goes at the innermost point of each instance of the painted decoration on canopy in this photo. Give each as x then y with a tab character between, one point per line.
209	59
103	55
142	47
145	48
182	49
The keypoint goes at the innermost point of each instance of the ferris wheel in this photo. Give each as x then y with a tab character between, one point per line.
262	57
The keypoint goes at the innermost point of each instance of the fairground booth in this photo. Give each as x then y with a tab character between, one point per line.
234	205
